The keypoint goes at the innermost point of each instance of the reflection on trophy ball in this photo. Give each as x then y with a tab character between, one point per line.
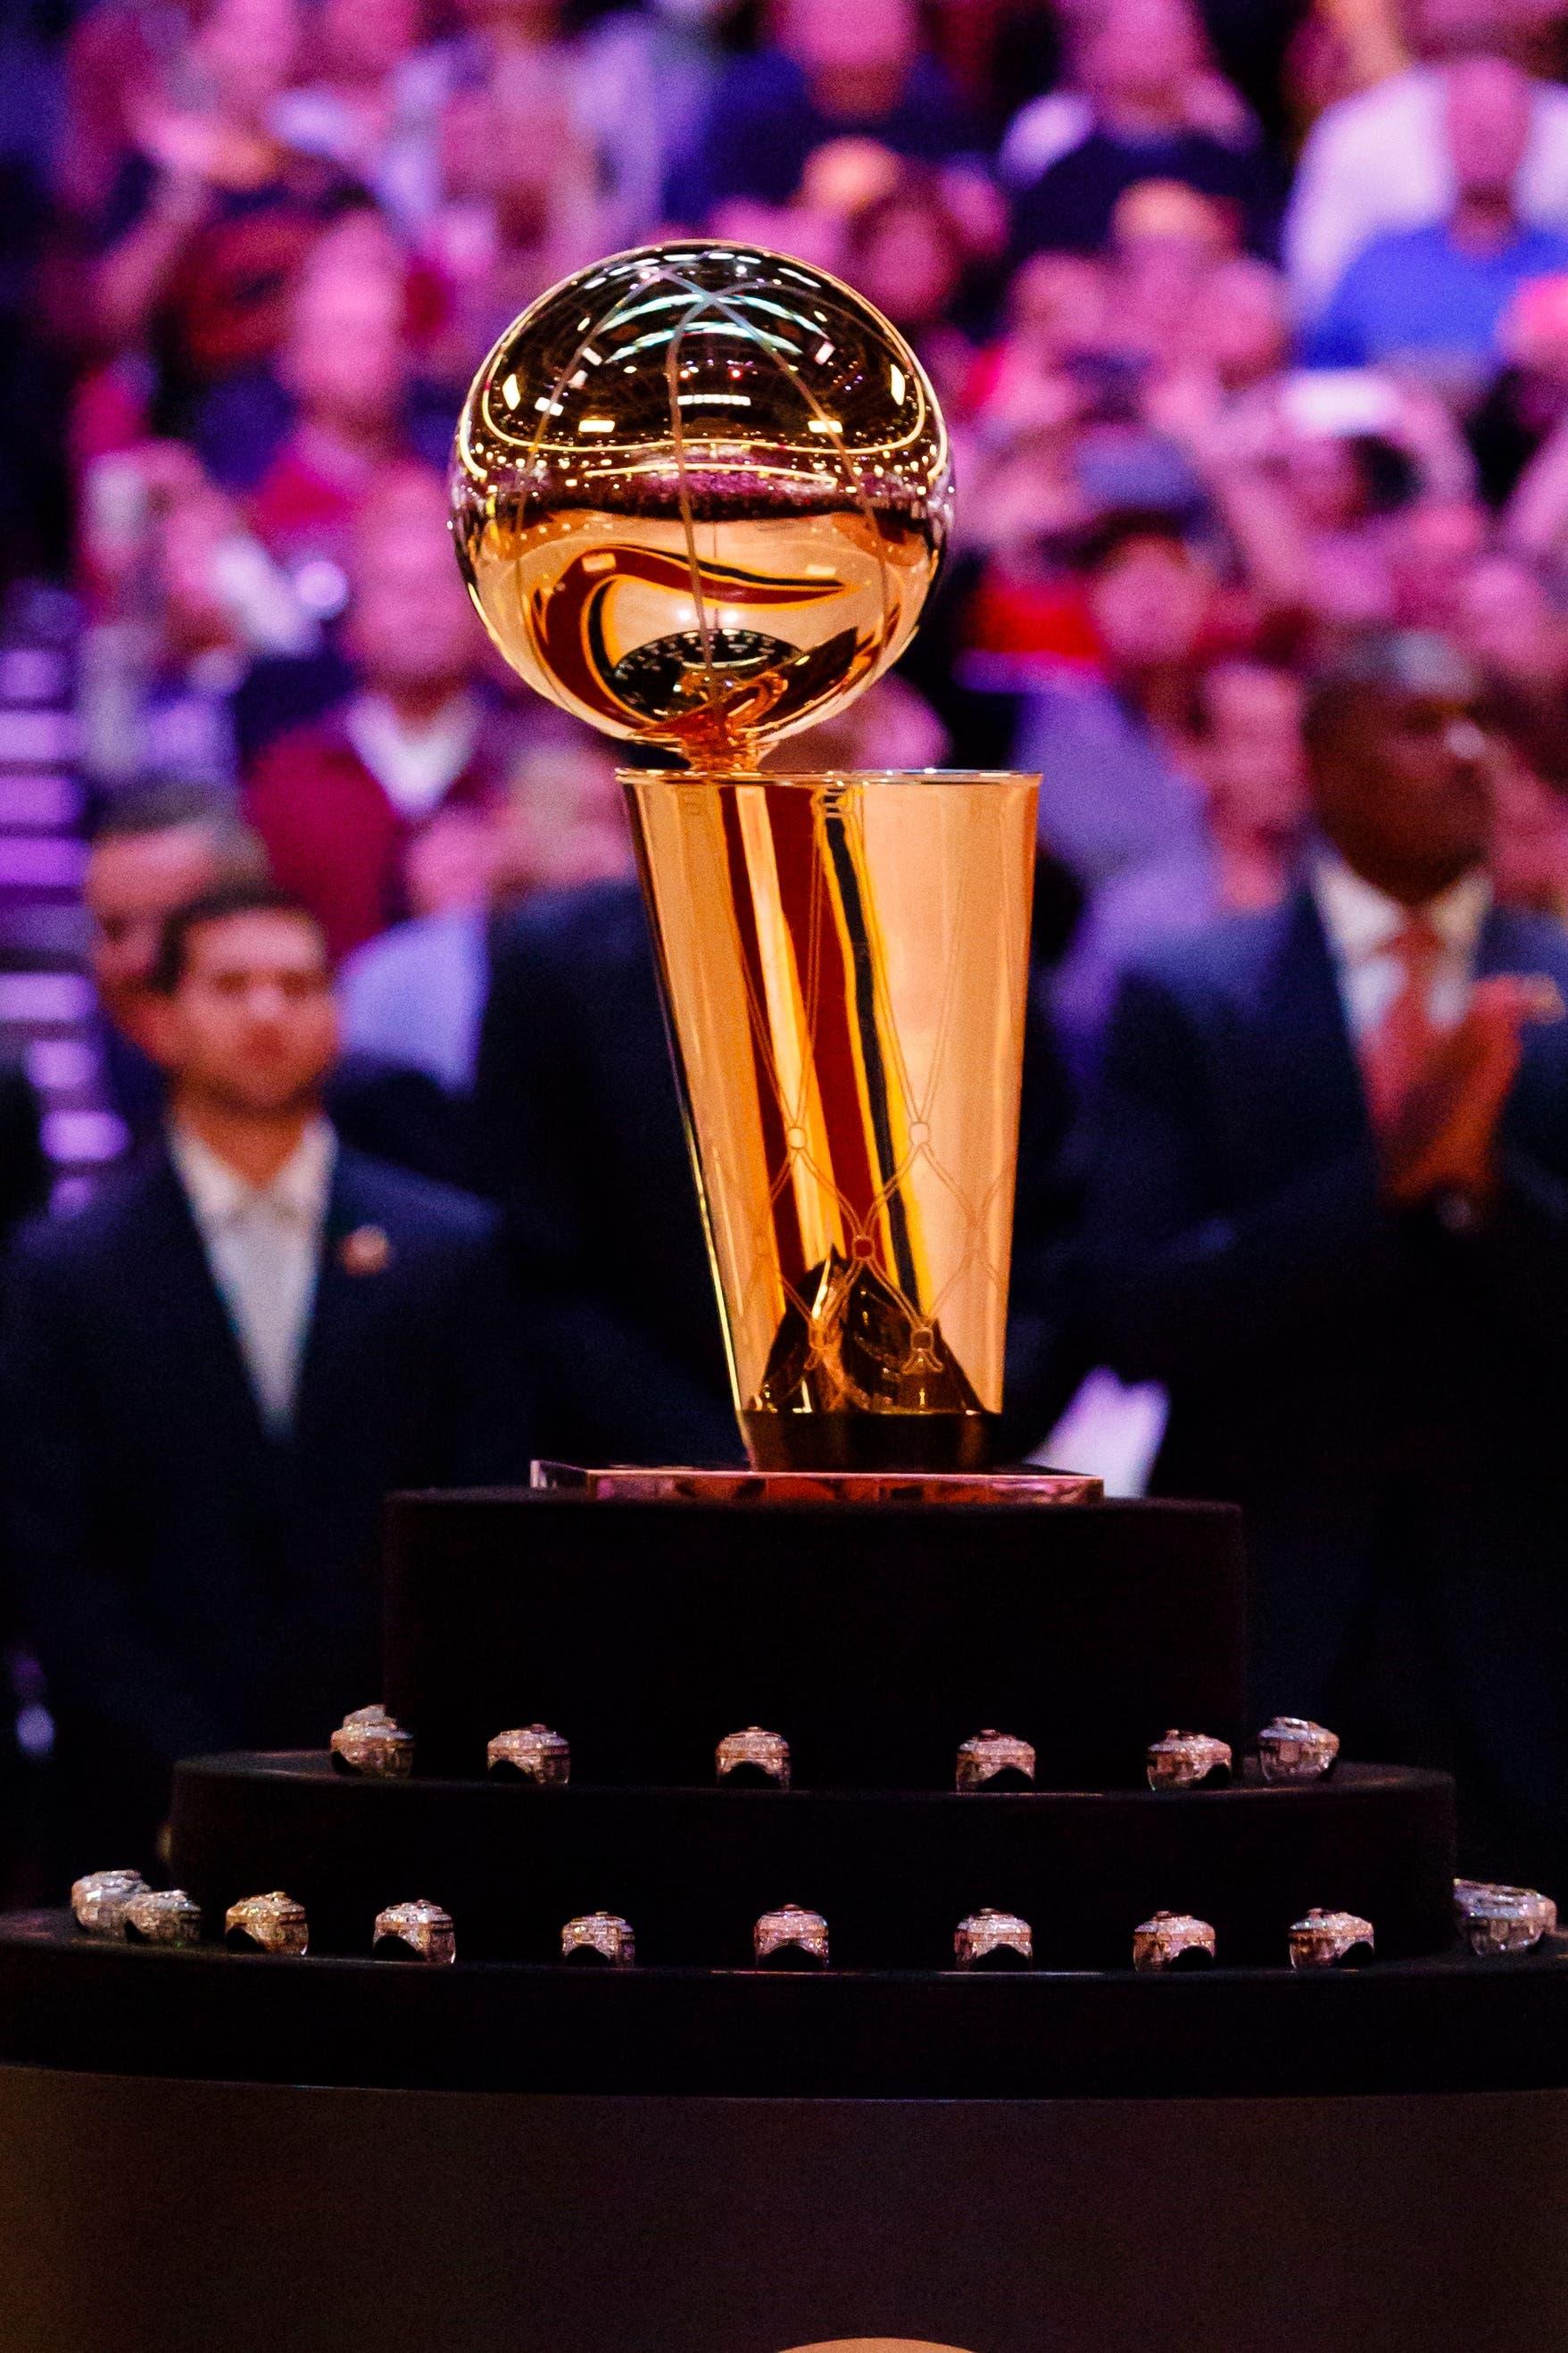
699	494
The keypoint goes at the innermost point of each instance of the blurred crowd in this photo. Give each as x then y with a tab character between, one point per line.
1250	321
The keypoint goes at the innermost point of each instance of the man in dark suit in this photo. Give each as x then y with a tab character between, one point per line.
212	1377
154	849
24	1167
580	1138
1327	1206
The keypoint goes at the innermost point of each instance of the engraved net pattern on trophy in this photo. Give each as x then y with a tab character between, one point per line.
700	495
846	961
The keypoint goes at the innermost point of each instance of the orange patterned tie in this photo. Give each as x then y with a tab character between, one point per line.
1393	1055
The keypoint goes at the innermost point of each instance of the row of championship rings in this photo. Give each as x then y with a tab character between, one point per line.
370	1743
1492	1919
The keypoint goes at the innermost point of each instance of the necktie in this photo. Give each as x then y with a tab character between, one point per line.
1393	1055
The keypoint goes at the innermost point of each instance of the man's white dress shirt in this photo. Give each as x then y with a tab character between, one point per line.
263	1246
1361	926
415	766
1379	160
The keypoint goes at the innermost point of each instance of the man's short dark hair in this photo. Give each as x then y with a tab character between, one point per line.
181	805
1380	665
1106	539
217	906
163	804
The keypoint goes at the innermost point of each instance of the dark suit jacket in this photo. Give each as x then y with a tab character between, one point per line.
24	1170
1386	1396
579	1135
189	1582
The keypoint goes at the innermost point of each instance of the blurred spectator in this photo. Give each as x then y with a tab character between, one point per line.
888	726
1435	297
1056	323
1250	763
339	803
910	252
679	48
1052	126
1346	452
1114	752
371	106
1434	547
1510	624
1380	161
212	1379
153	850
212	215
1140	64
416	995
345	372
119	59
1530	798
1328	1207
191	613
522	181
1517	420
831	72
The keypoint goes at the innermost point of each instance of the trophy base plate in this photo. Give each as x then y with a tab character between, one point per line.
673	1483
869	1442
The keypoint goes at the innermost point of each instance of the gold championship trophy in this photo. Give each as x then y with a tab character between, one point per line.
700	494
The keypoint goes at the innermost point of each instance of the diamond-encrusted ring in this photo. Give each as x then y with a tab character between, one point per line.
163	1915
1188	1760
996	1761
1331	1940
369	1742
599	1937
994	1940
419	1931
1293	1748
267	1924
99	1900
791	1939
1495	1919
752	1760
530	1753
1172	1941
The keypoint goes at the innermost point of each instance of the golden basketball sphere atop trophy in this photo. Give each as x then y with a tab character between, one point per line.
699	494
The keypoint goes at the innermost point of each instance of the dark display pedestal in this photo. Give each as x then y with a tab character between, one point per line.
690	2156
181	2217
875	1637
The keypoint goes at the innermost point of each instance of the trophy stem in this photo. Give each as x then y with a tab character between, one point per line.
845	967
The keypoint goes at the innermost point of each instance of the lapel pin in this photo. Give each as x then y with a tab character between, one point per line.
367	1251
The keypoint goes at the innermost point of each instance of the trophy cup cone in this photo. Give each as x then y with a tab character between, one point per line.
700	492
845	960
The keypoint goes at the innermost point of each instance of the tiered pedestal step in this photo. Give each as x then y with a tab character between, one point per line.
893	1873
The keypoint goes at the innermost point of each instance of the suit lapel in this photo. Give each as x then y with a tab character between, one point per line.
1534	1114
1503	945
345	1314
1316	1103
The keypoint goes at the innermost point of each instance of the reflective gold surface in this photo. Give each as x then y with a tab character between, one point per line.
845	961
699	494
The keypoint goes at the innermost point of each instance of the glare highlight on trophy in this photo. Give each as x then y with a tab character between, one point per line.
700	493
